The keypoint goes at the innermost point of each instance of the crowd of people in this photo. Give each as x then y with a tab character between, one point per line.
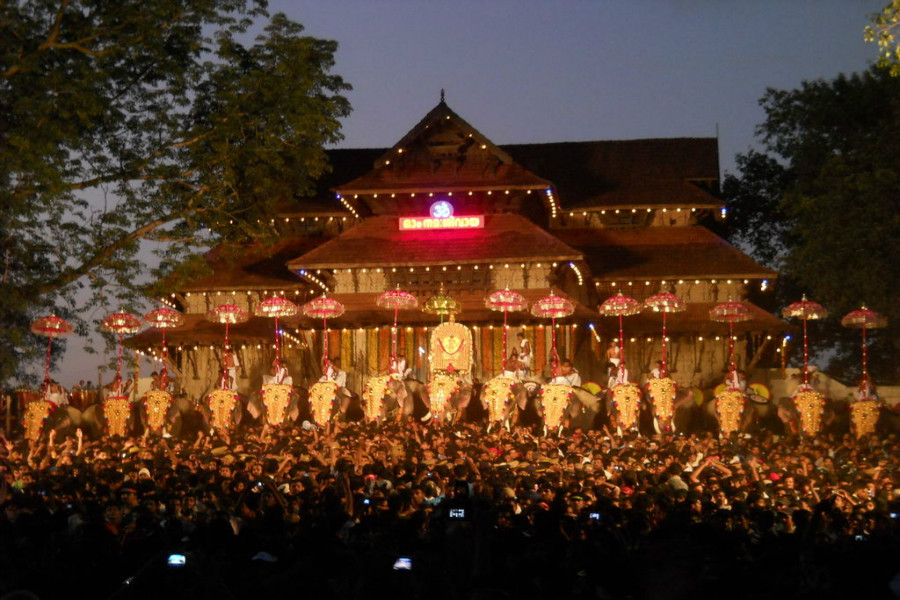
437	511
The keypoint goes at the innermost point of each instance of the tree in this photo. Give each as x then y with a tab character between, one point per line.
883	31
146	124
820	204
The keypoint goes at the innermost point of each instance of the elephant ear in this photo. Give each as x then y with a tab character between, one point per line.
531	387
74	415
588	400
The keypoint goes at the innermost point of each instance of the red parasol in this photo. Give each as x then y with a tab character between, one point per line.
865	319
323	308
620	306
396	299
506	301
665	303
730	312
50	327
553	307
277	308
228	314
162	319
806	310
120	323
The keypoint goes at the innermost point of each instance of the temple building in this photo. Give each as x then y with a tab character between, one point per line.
446	209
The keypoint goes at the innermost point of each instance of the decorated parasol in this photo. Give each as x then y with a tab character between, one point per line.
806	310
442	304
50	327
620	306
730	312
553	307
227	314
277	308
120	323
865	319
162	319
396	299
323	308
665	303
506	301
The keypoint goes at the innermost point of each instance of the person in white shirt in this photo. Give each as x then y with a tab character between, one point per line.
282	375
524	355
333	372
399	368
513	366
568	374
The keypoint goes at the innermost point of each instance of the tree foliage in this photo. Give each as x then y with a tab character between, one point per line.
153	123
884	31
820	203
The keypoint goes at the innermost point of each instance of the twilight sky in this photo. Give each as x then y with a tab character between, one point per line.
524	71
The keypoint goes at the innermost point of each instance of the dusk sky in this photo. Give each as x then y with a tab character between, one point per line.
525	71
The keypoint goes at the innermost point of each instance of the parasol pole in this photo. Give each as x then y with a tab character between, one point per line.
505	327
394	335
119	365
805	355
47	367
664	372
865	371
731	366
225	359
164	371
278	340
621	346
324	339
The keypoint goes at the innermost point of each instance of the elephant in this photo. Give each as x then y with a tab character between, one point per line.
558	406
40	417
164	414
500	398
115	415
624	406
387	396
663	396
222	409
447	397
276	404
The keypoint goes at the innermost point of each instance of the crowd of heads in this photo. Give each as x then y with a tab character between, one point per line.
452	512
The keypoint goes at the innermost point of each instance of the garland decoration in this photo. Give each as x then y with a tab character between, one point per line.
36	413
498	392
373	395
441	387
221	408
810	405
729	408
662	394
276	397
626	398
554	399
156	405
321	395
864	415
117	410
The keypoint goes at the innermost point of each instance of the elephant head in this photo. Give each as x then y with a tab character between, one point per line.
279	404
115	415
41	417
498	396
222	410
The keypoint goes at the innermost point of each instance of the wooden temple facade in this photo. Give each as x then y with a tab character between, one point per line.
447	209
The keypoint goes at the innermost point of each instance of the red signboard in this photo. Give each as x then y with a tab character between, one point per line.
430	223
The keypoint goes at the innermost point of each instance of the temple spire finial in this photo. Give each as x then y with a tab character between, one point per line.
442	95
